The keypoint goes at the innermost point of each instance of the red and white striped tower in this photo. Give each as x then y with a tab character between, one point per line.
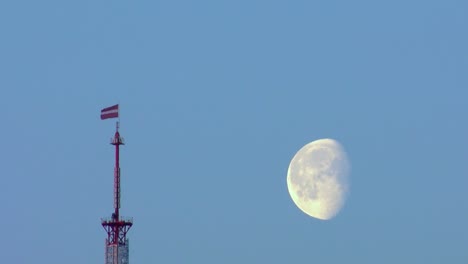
117	250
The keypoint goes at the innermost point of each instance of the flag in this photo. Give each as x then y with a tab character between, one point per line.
110	112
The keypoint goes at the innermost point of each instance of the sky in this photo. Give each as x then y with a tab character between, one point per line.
216	98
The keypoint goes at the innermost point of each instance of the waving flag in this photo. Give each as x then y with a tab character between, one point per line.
110	112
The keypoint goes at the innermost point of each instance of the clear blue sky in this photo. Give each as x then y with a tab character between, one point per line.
216	98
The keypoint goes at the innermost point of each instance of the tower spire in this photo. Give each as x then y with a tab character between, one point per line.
116	226
117	141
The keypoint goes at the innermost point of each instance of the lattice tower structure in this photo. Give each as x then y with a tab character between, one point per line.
116	226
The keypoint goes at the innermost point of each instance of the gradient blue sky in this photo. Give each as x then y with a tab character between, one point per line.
216	98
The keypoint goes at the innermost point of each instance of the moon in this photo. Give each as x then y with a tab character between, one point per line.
318	180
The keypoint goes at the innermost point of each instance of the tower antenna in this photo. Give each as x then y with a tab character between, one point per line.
117	250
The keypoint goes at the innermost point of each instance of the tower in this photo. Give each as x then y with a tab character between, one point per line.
116	226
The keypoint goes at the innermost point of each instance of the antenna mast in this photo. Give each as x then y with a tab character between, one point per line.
116	226
117	141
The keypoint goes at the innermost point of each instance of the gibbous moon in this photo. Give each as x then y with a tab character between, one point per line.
318	178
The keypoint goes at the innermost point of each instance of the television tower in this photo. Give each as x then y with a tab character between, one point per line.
116	226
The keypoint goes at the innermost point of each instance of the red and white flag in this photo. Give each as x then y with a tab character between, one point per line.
110	112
